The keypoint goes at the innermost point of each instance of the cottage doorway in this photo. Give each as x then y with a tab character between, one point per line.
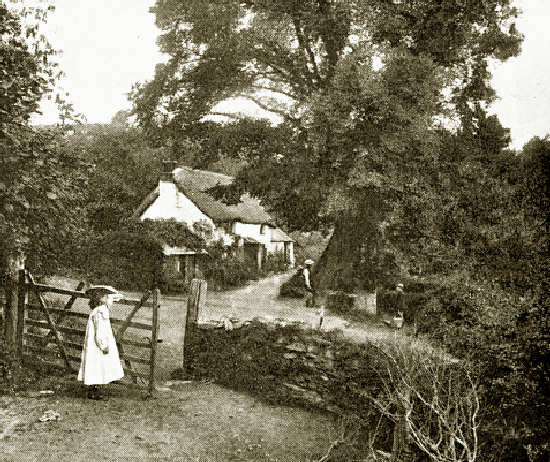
252	254
287	252
188	267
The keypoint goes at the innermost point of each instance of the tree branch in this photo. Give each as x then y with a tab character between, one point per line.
287	71
265	107
328	35
306	49
275	90
235	116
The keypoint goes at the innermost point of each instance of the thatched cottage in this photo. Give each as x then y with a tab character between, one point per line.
183	196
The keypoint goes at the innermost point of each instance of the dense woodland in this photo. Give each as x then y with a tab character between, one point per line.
368	92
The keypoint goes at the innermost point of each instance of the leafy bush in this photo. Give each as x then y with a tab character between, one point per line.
505	337
294	287
308	245
169	232
13	377
125	259
225	268
274	263
132	257
6	366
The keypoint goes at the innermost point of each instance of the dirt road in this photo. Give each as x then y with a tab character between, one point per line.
257	299
260	299
191	422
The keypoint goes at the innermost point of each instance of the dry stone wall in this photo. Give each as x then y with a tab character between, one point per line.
291	365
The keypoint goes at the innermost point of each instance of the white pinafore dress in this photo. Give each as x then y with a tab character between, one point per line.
96	367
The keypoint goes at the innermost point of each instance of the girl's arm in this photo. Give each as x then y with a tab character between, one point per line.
307	280
99	328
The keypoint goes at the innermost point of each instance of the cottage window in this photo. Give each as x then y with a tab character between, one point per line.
262	229
227	227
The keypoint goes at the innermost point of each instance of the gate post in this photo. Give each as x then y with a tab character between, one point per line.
196	298
8	311
12	264
21	299
154	338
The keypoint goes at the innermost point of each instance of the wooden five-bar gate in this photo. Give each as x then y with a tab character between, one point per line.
51	332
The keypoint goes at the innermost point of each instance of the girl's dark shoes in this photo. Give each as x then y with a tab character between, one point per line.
97	394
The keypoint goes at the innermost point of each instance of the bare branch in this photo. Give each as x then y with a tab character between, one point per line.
306	48
436	401
235	116
264	106
274	90
342	438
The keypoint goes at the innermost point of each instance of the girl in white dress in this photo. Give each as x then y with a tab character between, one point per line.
100	363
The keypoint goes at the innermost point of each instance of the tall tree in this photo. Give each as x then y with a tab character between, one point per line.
123	169
38	183
359	83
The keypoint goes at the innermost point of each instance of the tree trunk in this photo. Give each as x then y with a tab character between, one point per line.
10	269
338	267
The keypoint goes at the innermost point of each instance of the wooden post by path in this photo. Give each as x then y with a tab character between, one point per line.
8	311
197	297
21	300
12	264
154	338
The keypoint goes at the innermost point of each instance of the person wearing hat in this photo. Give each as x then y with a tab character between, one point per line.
308	286
399	301
100	362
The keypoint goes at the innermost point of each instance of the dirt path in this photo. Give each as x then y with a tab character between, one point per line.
191	421
186	422
259	299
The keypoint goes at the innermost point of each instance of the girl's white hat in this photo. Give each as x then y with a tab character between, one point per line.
103	289
308	262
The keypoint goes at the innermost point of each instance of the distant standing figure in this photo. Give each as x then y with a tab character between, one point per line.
308	285
404	311
400	299
100	362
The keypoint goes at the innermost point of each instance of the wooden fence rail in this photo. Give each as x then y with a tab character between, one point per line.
47	334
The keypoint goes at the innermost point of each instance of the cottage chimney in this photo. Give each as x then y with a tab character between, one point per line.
167	187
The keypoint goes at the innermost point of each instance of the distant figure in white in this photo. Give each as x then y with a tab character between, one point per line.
100	363
308	286
398	318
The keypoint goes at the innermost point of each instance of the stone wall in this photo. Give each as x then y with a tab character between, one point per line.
361	301
291	365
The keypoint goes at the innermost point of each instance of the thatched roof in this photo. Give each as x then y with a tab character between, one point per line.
195	184
278	235
146	203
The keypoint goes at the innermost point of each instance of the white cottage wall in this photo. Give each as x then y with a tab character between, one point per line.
276	246
174	205
281	247
253	231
